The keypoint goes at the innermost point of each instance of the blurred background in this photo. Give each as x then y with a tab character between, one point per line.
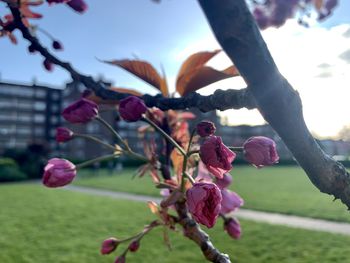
45	225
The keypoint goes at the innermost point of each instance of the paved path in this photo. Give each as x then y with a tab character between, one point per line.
271	218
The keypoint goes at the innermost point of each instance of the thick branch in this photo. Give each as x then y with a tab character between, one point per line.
278	102
220	100
193	231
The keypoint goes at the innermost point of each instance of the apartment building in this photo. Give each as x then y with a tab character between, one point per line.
28	114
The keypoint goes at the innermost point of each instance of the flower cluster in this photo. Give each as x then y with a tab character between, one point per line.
206	198
276	12
60	172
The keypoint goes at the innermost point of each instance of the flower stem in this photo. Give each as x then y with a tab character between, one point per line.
184	165
190	178
140	235
137	156
113	131
98	159
92	138
126	146
236	149
165	135
192	152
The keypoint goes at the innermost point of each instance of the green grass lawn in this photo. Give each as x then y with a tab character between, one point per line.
275	189
40	225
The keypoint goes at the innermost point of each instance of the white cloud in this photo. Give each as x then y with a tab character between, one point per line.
298	52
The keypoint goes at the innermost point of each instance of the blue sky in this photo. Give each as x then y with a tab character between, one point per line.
168	32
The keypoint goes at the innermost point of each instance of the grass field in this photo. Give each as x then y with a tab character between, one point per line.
44	225
275	189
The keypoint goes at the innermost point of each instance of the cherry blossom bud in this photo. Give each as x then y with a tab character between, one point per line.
203	173
109	245
230	201
204	203
224	182
31	48
205	128
57	45
120	259
260	151
132	108
216	156
261	18
233	228
330	5
134	246
63	134
78	5
81	111
48	65
57	1
58	172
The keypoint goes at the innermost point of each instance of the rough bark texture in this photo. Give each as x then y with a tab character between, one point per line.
280	105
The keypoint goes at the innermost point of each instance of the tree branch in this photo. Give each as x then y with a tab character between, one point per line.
280	105
193	231
220	100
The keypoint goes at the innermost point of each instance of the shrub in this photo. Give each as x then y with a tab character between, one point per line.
9	171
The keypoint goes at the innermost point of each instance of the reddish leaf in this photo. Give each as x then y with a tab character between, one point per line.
318	4
186	115
195	60
154	175
35	3
125	90
177	160
26	12
12	38
202	77
144	71
153	207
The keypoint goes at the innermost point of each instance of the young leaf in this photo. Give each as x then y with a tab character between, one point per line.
194	61
126	90
202	77
318	4
153	207
144	71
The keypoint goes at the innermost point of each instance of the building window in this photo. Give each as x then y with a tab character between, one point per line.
23	118
55	95
92	128
55	119
54	108
25	105
39	118
15	90
39	131
40	93
39	105
24	131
